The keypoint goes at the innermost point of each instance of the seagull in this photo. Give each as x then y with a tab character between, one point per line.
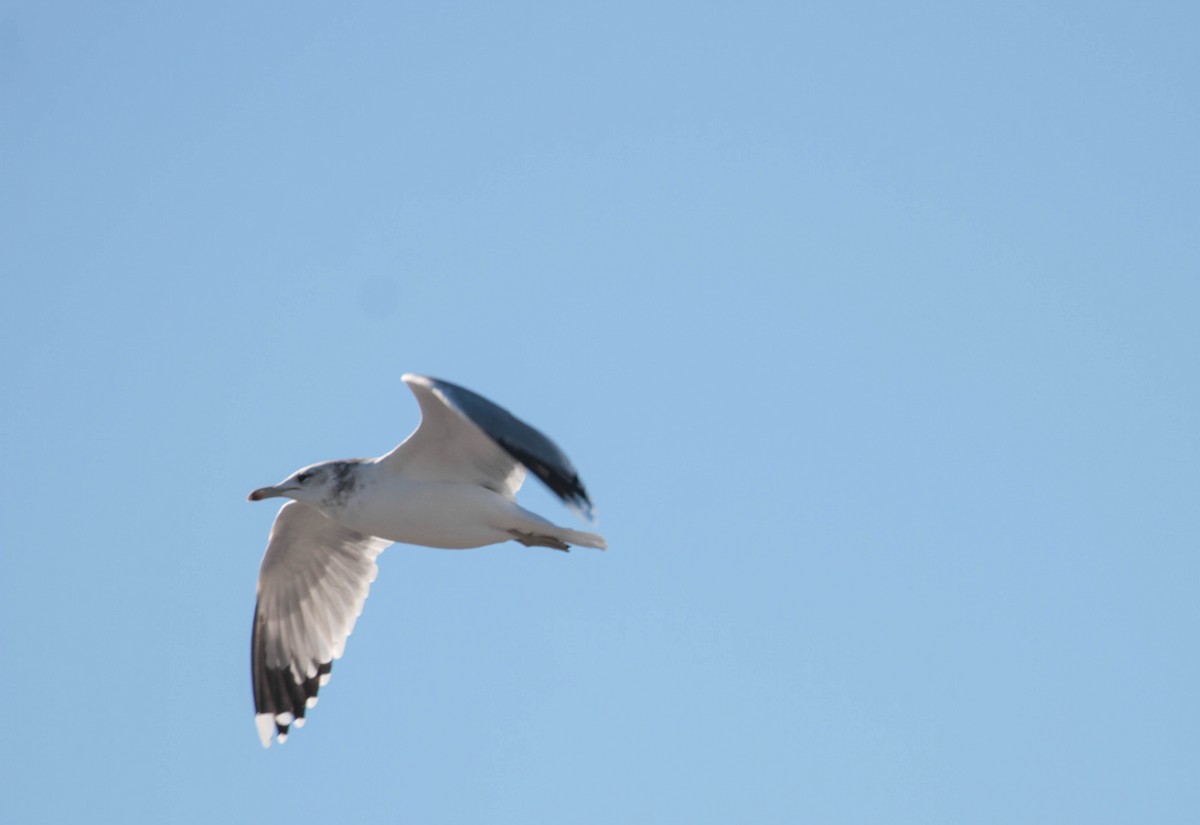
452	484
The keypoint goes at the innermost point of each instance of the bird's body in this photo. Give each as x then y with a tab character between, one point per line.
446	514
451	484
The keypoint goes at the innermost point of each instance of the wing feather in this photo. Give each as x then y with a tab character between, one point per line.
464	437
311	588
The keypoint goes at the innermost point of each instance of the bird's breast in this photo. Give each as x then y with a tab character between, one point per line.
432	514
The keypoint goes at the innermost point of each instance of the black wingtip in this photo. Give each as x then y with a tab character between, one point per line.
565	485
526	444
278	691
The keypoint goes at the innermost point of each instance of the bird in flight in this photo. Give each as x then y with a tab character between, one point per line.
452	483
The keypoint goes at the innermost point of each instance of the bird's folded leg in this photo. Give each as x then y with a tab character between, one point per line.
539	540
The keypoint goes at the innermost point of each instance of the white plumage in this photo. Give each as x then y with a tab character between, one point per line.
450	484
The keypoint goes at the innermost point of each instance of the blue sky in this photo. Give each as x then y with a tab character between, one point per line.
872	329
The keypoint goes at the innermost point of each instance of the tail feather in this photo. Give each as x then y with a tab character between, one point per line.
584	539
560	539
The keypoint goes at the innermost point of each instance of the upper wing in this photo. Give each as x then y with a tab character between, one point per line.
311	588
464	437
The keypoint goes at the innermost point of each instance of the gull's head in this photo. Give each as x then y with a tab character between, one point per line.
311	484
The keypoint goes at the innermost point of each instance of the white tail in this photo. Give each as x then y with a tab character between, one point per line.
584	539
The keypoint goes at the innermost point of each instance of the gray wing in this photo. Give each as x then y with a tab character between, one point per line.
464	437
311	588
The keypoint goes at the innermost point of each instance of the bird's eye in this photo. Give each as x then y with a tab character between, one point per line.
303	477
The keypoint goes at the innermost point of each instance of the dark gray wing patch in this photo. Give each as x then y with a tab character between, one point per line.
536	452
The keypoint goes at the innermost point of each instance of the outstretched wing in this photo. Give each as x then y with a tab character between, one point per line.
311	588
463	437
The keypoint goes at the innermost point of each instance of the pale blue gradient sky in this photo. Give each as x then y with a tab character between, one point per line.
872	329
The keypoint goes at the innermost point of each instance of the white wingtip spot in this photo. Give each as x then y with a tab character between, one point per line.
286	718
282	738
299	722
265	722
324	680
310	702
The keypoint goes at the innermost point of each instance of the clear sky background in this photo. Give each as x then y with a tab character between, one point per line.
872	328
